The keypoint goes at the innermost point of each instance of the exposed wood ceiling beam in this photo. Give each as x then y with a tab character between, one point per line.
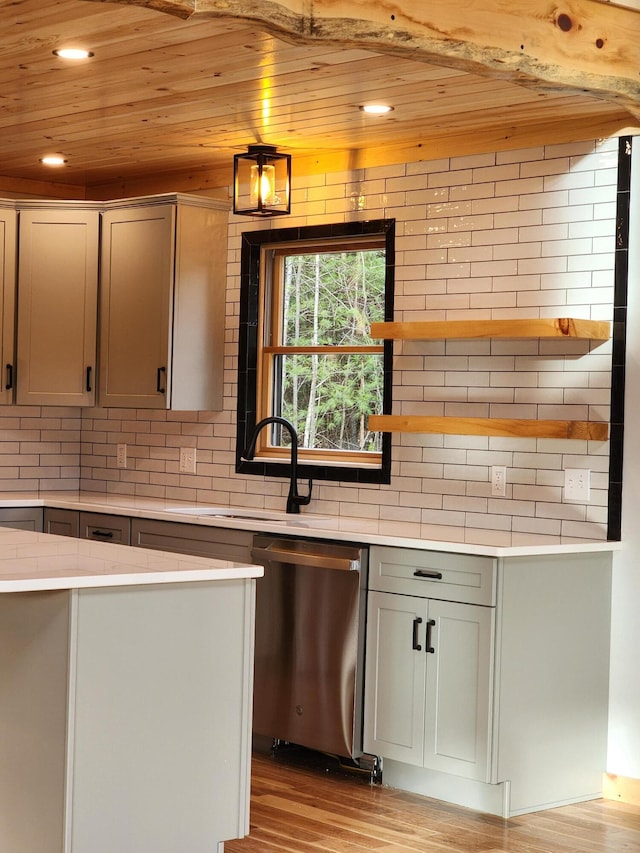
572	47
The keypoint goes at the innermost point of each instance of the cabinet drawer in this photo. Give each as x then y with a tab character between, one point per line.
105	528
466	578
199	540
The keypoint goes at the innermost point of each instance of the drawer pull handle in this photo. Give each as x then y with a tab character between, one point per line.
9	383
428	647
416	645
426	573
88	380
103	534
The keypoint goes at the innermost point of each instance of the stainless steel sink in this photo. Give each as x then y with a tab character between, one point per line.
240	514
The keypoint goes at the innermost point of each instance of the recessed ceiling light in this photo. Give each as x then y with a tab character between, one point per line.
53	160
376	109
73	53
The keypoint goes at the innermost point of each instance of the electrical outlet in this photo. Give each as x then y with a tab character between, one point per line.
121	456
498	481
577	484
187	460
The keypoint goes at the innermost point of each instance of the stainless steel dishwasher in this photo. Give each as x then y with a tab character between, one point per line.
309	659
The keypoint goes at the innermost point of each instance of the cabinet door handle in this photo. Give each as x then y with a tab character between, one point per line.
88	382
416	645
9	383
427	643
102	534
428	573
160	383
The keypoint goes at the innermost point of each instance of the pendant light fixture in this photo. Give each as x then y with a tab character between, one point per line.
262	182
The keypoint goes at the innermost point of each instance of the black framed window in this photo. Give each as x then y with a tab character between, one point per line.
308	296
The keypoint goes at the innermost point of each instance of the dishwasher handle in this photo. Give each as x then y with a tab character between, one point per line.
305	558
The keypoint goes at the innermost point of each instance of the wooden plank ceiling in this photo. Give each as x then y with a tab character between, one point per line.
165	102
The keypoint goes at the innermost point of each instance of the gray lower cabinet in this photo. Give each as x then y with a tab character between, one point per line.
199	540
25	518
430	661
487	679
62	522
105	528
100	527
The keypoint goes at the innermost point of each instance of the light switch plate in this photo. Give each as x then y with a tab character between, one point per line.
577	484
187	463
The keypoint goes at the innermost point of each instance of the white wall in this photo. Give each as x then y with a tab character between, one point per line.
624	710
523	233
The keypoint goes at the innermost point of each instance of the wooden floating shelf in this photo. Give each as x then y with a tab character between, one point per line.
590	430
558	327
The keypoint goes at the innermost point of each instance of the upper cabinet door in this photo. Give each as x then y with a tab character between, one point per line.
162	305
7	303
135	306
57	306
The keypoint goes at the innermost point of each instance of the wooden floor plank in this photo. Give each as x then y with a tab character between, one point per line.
303	803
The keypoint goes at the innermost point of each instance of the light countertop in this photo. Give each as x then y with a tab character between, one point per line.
395	533
39	561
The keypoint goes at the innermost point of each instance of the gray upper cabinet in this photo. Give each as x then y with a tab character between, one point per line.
163	273
7	302
57	306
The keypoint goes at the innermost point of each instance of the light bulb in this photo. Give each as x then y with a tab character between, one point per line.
262	185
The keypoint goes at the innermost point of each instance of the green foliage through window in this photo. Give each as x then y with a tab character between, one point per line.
329	299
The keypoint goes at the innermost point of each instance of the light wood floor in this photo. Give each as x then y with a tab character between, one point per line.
310	807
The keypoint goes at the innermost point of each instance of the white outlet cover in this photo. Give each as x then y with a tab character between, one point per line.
121	456
498	481
187	464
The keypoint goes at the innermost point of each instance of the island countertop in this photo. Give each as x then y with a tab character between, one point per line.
40	561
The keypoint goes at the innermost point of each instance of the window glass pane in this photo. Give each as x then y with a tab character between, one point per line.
330	298
329	398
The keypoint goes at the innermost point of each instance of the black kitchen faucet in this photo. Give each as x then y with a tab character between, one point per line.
294	500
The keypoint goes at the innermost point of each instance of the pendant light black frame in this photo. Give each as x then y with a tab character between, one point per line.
261	158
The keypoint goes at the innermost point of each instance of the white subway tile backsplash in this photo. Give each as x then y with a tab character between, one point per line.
522	155
520	187
518	219
469	254
510	250
494	301
496	174
476	222
472	191
569	180
496	237
504	235
473	161
604	228
540	166
445	239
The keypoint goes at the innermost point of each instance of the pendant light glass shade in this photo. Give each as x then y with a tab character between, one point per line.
262	182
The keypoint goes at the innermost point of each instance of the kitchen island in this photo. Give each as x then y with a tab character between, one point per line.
125	697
